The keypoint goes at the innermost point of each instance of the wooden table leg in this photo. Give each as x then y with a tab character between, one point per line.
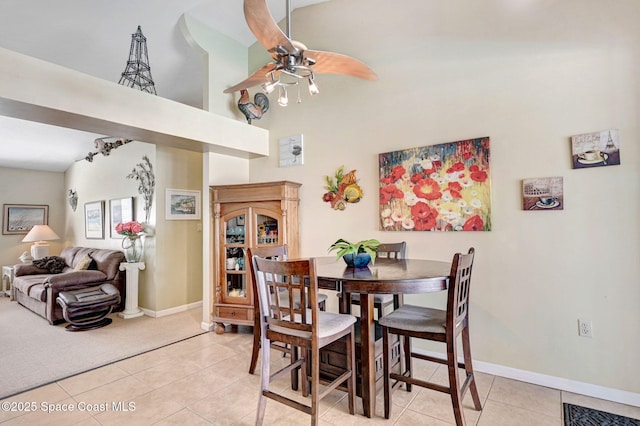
367	342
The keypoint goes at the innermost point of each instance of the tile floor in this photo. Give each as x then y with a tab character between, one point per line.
204	381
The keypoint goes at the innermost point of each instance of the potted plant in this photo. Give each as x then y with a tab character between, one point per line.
356	255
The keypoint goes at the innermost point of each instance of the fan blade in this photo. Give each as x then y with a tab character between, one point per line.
254	79
337	63
264	27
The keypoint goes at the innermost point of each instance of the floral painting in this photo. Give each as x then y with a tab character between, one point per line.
445	187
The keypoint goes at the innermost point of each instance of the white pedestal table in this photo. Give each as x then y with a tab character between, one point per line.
131	309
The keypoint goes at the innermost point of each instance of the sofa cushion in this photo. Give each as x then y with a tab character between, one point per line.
53	264
32	286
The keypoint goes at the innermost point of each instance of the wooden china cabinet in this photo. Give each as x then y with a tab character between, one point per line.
248	216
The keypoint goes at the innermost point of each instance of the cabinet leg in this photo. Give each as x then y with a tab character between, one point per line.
219	328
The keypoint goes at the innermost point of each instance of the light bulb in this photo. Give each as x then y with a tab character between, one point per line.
269	86
313	88
283	100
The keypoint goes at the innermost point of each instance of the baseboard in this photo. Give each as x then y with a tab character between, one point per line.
171	311
595	391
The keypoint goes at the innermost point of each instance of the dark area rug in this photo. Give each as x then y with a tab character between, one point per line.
575	415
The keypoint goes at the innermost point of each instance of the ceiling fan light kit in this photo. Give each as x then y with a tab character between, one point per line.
291	58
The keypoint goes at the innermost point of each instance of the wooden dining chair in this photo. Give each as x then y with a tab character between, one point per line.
382	301
298	326
437	325
277	252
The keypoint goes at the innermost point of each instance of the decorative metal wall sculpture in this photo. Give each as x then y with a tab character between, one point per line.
143	173
103	147
444	187
137	74
72	199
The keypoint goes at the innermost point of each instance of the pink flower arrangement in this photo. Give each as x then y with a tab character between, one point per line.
129	229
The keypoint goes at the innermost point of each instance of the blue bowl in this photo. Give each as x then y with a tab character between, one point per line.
361	260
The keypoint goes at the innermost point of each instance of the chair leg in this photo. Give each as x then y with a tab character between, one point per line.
294	372
408	360
468	365
305	372
315	380
255	350
351	363
454	382
386	360
264	380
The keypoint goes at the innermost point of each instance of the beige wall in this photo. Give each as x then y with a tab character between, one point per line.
178	274
19	186
528	75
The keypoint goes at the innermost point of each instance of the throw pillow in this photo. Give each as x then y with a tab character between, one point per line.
93	266
53	264
83	263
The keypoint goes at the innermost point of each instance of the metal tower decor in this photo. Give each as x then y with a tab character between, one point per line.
137	74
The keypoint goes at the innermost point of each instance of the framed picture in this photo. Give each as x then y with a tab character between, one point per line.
120	211
181	204
445	187
595	149
94	220
542	193
20	218
291	153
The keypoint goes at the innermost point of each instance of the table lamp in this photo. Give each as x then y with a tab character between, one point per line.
39	235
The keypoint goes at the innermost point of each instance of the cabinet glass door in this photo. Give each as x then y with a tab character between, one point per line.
267	230
234	260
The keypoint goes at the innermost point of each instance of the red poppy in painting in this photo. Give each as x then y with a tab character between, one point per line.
459	166
384	197
397	172
436	164
424	217
474	223
477	174
416	178
427	189
467	155
389	191
455	186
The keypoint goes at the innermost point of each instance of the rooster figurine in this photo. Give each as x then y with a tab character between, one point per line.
255	110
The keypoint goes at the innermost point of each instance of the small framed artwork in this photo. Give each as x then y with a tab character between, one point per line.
94	220
291	153
542	194
20	218
595	149
120	211
181	204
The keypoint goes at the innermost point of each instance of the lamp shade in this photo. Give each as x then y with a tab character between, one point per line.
40	233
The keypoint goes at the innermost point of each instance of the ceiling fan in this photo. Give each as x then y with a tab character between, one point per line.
291	58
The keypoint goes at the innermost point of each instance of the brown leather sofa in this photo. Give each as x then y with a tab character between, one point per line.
37	289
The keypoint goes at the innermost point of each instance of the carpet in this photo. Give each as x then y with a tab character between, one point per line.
34	353
575	415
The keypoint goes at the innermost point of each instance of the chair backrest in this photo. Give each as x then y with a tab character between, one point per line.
458	293
278	252
291	277
392	250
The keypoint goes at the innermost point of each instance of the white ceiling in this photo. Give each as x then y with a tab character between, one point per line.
94	38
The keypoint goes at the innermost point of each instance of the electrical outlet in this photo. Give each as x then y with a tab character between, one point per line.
585	328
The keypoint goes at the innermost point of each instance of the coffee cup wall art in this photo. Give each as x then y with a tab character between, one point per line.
542	194
595	149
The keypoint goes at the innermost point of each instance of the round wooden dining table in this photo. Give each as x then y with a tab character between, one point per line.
385	276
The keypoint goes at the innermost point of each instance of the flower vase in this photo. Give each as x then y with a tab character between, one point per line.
132	248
